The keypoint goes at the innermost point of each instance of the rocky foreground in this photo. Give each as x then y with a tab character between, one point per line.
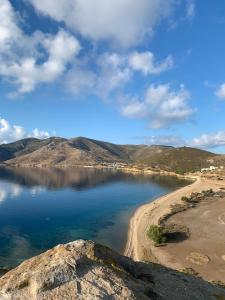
85	270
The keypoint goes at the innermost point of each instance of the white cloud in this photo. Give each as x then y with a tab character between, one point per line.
125	22
9	30
133	108
11	133
209	140
220	92
112	71
190	10
161	106
40	134
204	141
187	16
20	54
166	140
145	62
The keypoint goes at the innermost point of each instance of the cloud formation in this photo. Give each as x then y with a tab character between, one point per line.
204	141
10	133
112	71
220	92
125	22
145	62
161	106
190	10
209	141
28	60
164	140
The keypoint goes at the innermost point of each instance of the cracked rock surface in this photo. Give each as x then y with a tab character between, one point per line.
85	270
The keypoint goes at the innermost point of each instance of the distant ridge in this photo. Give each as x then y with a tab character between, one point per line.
80	151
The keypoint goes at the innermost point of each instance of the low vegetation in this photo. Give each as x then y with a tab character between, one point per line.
190	271
218	283
155	233
168	233
176	208
198	197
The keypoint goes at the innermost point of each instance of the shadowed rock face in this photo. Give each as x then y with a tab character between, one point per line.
85	270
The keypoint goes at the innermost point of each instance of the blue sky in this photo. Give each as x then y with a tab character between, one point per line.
148	71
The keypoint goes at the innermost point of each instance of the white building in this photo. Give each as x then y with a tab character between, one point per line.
211	168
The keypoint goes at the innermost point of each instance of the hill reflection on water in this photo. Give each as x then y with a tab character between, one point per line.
79	178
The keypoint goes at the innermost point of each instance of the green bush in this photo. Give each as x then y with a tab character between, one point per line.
184	198
180	171
155	233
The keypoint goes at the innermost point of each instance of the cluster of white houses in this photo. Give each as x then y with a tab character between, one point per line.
210	169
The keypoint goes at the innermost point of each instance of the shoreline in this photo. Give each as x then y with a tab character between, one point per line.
129	170
138	246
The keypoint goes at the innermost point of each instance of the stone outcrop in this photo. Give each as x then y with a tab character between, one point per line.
85	270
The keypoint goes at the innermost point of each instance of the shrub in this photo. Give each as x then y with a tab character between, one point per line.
180	172
155	233
184	198
190	271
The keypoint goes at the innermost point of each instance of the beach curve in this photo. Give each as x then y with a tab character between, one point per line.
138	244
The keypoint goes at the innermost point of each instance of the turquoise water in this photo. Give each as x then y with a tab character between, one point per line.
42	208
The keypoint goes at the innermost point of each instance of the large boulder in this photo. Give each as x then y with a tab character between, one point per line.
85	270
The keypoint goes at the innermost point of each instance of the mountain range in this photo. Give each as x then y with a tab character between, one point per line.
80	151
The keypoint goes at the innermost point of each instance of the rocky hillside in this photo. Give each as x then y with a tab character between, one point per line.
173	159
84	270
62	152
25	146
59	152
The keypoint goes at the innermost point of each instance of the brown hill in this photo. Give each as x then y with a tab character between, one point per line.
24	146
78	151
173	159
59	152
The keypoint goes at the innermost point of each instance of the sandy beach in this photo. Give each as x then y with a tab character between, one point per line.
139	246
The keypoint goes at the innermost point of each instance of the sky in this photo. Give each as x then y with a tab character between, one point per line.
124	71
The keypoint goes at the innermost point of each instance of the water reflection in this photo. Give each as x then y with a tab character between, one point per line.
40	208
79	178
11	190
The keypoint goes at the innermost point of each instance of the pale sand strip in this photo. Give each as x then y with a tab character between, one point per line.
138	244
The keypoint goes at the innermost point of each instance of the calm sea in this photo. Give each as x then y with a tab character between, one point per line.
40	208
